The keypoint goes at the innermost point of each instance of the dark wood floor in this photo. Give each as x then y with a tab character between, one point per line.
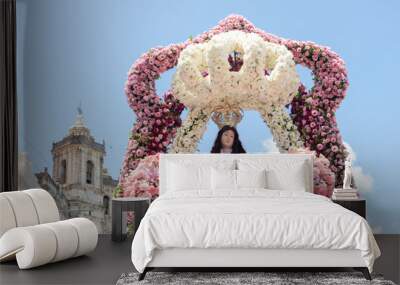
110	260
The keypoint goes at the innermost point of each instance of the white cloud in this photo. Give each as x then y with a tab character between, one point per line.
270	146
364	182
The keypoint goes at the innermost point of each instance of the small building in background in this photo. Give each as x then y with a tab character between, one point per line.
80	183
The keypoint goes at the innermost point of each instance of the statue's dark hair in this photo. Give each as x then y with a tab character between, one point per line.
237	145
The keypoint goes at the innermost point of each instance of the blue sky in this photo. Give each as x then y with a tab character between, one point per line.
72	52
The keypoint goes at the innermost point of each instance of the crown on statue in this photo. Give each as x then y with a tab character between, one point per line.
227	116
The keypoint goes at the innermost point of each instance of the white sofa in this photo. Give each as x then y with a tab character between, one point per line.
31	230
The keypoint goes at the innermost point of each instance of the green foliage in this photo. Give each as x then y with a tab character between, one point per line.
130	228
117	192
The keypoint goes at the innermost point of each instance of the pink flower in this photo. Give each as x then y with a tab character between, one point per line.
139	152
323	177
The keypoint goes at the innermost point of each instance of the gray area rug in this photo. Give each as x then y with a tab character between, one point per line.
275	278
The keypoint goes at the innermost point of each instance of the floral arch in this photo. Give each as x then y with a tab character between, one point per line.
310	121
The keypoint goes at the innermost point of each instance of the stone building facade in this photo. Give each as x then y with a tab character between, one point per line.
80	183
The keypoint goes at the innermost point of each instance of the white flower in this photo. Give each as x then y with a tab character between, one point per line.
247	88
194	90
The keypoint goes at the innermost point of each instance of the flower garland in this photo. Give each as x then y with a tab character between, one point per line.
144	180
158	119
203	80
317	124
284	132
324	177
191	131
247	88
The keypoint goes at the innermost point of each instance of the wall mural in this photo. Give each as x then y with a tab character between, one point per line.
235	66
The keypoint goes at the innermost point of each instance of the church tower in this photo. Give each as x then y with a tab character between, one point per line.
80	184
78	158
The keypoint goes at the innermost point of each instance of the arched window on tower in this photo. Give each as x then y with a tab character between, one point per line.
106	204
89	172
63	172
